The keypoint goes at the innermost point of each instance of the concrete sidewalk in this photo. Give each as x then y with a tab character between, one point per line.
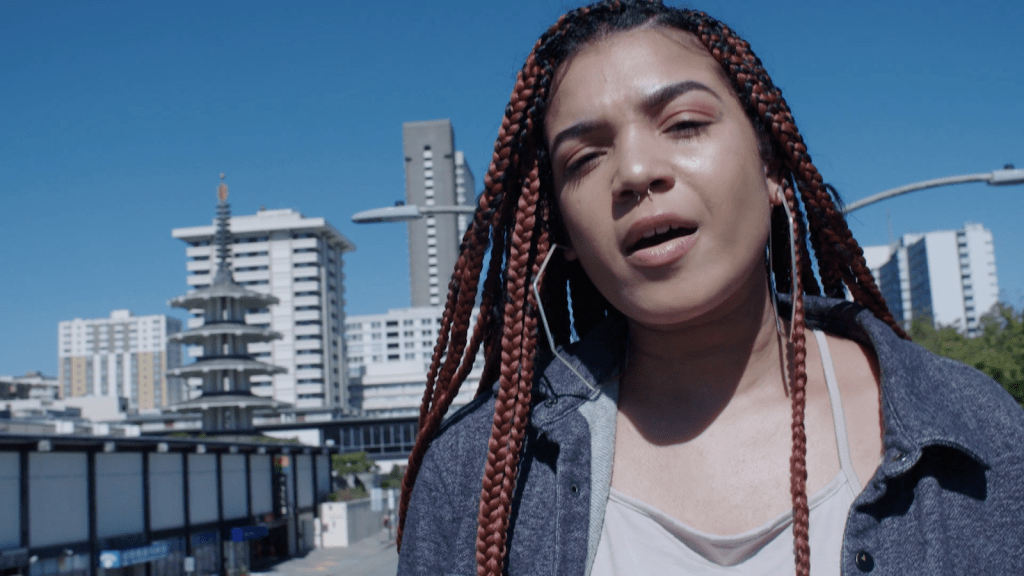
374	556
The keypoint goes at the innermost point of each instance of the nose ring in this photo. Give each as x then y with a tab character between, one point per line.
640	198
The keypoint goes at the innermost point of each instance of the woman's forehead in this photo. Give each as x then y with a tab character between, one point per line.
641	59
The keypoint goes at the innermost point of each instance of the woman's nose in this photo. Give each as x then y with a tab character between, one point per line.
643	169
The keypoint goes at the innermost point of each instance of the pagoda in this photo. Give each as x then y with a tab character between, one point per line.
225	402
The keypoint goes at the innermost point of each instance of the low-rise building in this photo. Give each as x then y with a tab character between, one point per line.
121	356
389	356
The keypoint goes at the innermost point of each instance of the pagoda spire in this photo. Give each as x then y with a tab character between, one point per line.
225	401
223	236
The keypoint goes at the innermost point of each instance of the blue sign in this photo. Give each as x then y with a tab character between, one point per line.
248	533
120	558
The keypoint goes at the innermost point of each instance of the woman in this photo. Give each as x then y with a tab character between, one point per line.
649	176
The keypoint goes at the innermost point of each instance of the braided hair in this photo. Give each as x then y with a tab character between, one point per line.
517	219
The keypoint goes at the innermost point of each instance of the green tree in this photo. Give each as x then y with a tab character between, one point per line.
393	479
998	350
352	463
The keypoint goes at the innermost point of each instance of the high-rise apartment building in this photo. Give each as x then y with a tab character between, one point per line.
389	356
121	356
435	175
299	260
948	276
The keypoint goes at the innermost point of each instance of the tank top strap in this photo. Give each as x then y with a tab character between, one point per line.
838	418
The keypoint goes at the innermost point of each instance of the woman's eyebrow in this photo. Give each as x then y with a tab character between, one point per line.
576	130
655	101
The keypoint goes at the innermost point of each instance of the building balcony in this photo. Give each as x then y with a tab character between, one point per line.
306	286
304	315
305	257
309	344
309	388
258	318
307	272
197	265
306	301
241	277
304	243
193	251
309	373
307	330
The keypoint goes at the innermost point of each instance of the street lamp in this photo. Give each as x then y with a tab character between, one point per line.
1005	177
405	212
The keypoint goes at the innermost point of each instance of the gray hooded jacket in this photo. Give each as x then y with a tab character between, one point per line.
948	497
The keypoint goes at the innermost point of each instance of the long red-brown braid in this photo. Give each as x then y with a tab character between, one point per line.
510	339
438	397
512	404
436	401
797	393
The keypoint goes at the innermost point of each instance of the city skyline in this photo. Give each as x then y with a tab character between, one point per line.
119	137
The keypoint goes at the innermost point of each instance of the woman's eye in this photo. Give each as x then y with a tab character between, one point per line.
579	163
688	128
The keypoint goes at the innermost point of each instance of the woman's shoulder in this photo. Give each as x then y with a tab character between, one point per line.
926	396
468	425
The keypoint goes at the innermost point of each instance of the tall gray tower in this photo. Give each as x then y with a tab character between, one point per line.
435	175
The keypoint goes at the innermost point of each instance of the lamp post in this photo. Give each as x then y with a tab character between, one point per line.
403	212
1005	177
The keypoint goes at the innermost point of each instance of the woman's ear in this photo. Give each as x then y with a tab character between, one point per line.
570	253
773	181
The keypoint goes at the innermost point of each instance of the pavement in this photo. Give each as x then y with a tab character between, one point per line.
374	556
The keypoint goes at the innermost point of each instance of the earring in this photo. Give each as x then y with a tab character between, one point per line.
773	292
544	317
792	263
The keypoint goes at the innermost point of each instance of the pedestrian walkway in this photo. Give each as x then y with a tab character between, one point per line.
374	556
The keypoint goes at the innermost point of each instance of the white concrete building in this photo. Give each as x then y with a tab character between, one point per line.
389	356
300	261
946	275
120	356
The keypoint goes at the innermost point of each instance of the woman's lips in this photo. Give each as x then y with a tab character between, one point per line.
663	253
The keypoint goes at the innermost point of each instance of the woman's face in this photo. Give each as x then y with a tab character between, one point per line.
660	185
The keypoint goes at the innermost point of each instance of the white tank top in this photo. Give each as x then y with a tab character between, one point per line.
638	539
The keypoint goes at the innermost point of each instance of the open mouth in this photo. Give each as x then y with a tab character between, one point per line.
660	235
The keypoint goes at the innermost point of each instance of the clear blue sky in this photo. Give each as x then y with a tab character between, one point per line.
118	116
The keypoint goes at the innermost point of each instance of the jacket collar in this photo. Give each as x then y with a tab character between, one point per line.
915	417
582	371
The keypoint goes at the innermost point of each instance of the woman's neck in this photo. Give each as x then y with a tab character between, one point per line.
679	380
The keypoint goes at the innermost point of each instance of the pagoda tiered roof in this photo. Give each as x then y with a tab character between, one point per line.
199	298
232	399
244	332
226	363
